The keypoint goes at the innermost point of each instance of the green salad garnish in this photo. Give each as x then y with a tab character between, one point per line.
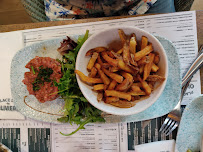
76	109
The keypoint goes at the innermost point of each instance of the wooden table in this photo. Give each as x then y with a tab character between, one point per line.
15	27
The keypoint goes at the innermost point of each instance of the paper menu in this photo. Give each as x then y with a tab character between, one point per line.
180	28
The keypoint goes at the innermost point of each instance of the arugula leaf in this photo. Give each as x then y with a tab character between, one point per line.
76	108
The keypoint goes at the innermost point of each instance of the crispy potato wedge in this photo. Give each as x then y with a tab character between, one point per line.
113	69
104	78
112	85
93	72
111	99
98	87
120	51
106	65
143	52
132	60
92	61
99	60
145	86
110	60
122	36
156	59
155	78
124	67
133	44
100	96
97	49
137	93
113	76
123	86
86	79
137	84
123	104
135	88
126	53
144	42
119	94
141	69
142	61
110	53
155	68
148	66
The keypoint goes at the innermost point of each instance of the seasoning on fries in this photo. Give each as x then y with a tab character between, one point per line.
122	77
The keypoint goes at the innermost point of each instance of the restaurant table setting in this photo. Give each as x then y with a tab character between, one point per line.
33	126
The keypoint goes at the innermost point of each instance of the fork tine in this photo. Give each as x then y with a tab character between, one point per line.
164	124
167	125
170	127
174	127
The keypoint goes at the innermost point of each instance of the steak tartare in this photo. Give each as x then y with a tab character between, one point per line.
44	71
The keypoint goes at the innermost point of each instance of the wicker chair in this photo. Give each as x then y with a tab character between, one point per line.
35	8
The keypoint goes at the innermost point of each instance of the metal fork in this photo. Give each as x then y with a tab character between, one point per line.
173	118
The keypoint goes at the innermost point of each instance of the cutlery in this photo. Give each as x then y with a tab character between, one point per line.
173	118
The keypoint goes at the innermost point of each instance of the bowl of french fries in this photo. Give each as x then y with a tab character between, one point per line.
122	70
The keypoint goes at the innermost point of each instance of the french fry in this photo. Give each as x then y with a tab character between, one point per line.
110	60
123	86
120	51
132	60
111	99
104	78
113	69
110	53
137	93
112	85
126	84
92	61
122	35
126	53
144	42
127	76
100	96
133	44
86	79
155	68
93	72
106	65
137	84
135	88
113	76
142	61
141	69
148	66
155	78
143	52
119	94
124	67
98	87
146	87
99	60
97	49
156	59
123	104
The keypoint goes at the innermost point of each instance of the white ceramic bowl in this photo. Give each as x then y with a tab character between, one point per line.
103	38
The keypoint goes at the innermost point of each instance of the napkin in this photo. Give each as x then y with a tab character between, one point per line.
7	108
159	146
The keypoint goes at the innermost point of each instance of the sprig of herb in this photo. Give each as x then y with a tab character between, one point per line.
76	109
42	76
